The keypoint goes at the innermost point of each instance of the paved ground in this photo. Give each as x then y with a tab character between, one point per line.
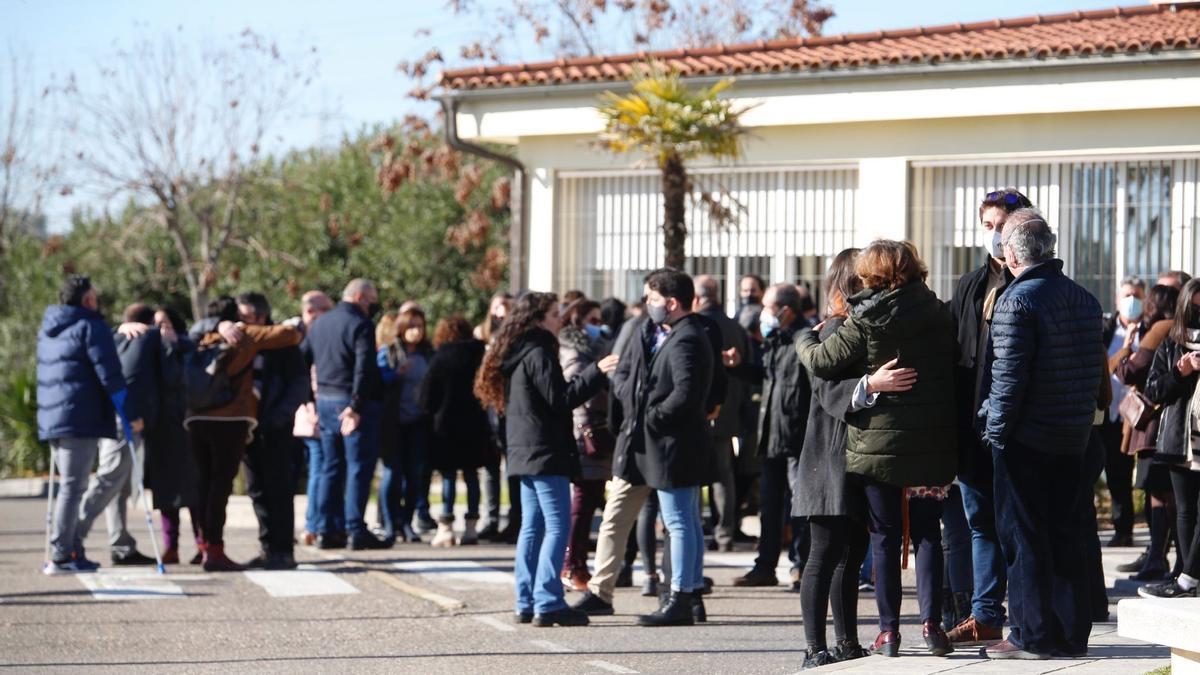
413	609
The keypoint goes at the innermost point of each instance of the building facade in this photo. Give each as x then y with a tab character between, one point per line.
899	134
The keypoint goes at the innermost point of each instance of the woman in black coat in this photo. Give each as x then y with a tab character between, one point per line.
1172	384
460	437
170	465
521	376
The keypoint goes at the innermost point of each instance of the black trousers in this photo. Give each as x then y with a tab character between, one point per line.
838	547
776	509
1186	484
1093	464
271	486
1037	504
218	446
1118	471
885	520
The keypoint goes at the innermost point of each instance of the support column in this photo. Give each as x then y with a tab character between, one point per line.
882	203
541	230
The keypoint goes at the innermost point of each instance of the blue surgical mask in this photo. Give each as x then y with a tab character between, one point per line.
593	332
768	323
1130	308
997	245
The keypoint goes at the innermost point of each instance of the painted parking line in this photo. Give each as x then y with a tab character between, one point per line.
610	667
147	584
458	575
304	581
495	623
551	646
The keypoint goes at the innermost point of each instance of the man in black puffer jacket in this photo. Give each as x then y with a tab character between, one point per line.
1045	357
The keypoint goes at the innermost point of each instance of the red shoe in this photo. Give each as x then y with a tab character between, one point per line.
170	556
887	644
215	560
576	580
1007	650
935	639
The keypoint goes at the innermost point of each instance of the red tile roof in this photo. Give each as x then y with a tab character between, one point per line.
1148	28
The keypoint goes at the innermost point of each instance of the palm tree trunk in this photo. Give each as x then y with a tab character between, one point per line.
674	189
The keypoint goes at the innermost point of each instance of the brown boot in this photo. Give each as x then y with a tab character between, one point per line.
971	632
215	560
170	556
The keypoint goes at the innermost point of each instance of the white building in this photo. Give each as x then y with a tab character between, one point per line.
1095	115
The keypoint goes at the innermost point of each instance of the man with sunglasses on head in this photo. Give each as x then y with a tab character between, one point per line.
974	299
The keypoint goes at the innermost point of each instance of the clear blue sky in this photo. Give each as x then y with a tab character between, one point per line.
361	41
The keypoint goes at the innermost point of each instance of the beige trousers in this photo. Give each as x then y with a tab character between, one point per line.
621	509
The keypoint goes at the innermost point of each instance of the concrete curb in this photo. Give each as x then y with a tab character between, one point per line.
22	487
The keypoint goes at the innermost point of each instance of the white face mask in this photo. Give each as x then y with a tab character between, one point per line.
997	245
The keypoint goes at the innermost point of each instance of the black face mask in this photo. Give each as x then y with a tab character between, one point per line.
373	310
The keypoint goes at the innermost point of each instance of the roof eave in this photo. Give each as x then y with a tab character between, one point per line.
954	67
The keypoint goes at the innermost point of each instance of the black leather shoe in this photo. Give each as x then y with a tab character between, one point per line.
699	613
1120	541
331	541
935	639
592	605
490	531
366	541
817	658
1134	566
1160	574
134	557
258	562
676	612
708	585
848	650
280	560
522	617
757	577
561	617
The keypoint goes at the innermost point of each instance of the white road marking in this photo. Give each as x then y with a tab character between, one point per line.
147	584
495	623
610	667
443	602
305	581
458	575
551	646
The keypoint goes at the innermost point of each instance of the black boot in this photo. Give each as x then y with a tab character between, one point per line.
699	613
677	612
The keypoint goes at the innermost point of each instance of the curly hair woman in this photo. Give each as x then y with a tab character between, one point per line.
522	378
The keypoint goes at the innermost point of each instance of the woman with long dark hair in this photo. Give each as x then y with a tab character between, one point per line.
901	442
1172	385
1131	365
522	378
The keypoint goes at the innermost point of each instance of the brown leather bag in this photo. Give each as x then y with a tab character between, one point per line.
598	441
1137	410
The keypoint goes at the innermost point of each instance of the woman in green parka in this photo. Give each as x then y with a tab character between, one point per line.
900	445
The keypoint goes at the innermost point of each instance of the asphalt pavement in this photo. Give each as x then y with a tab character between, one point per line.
415	609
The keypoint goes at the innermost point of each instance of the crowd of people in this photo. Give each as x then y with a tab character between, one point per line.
970	432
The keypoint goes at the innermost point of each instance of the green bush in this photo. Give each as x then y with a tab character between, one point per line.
21	453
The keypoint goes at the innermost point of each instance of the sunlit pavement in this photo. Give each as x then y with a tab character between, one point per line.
415	609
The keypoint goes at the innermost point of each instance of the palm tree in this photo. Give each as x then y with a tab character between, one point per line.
674	124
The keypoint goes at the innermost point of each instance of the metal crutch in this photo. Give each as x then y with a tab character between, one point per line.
49	511
136	471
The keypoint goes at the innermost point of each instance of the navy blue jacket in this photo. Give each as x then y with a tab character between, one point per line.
78	370
341	343
141	363
1046	357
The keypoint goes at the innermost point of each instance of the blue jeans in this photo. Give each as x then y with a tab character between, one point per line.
542	543
680	509
450	489
991	573
316	465
403	468
956	543
348	465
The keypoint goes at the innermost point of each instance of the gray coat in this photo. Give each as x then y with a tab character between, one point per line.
576	353
820	482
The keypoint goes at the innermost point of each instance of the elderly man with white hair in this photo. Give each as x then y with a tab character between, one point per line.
1046	363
